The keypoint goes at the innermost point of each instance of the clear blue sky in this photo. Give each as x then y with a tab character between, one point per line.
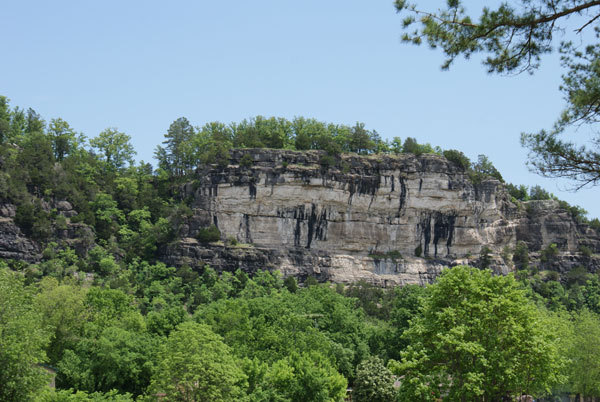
139	65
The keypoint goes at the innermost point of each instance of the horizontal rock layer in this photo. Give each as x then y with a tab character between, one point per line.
386	219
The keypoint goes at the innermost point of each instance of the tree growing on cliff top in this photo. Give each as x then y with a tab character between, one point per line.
514	36
478	338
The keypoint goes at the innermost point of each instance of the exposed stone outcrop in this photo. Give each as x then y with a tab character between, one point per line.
353	219
15	245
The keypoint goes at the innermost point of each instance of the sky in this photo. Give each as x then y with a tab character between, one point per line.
139	65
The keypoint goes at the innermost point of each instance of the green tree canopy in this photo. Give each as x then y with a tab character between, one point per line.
195	365
22	340
114	148
374	382
478	338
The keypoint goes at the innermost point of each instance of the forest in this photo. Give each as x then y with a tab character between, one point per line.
116	324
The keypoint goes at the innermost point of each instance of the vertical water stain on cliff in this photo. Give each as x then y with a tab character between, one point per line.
443	229
252	189
317	225
245	228
425	226
402	199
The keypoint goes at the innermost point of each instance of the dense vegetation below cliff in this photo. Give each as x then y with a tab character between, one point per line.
109	271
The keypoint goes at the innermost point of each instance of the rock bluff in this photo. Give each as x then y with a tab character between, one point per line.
385	219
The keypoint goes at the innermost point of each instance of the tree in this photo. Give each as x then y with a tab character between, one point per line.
114	148
4	119
483	169
177	157
374	382
478	338
305	376
195	365
22	340
584	354
64	138
513	37
63	312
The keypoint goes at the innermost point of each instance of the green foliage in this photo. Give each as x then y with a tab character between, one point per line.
195	364
521	255
63	311
291	284
458	158
464	347
518	192
64	139
538	193
246	161
549	253
114	148
483	169
374	382
304	377
514	37
33	220
485	259
209	234
583	349
69	395
418	250
177	157
22	340
585	250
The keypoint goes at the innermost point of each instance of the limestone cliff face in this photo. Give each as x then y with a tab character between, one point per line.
352	218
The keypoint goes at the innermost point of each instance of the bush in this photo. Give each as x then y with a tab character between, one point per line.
458	158
418	251
485	260
291	284
517	192
246	161
585	250
521	255
549	252
209	234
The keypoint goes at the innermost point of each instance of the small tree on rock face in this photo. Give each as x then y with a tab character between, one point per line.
374	382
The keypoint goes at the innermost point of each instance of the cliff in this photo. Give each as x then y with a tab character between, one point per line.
385	219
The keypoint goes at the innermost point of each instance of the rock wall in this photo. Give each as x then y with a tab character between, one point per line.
15	245
386	219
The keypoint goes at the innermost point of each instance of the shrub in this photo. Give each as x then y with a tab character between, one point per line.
246	161
521	255
585	250
209	234
458	158
485	259
418	251
549	252
291	284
